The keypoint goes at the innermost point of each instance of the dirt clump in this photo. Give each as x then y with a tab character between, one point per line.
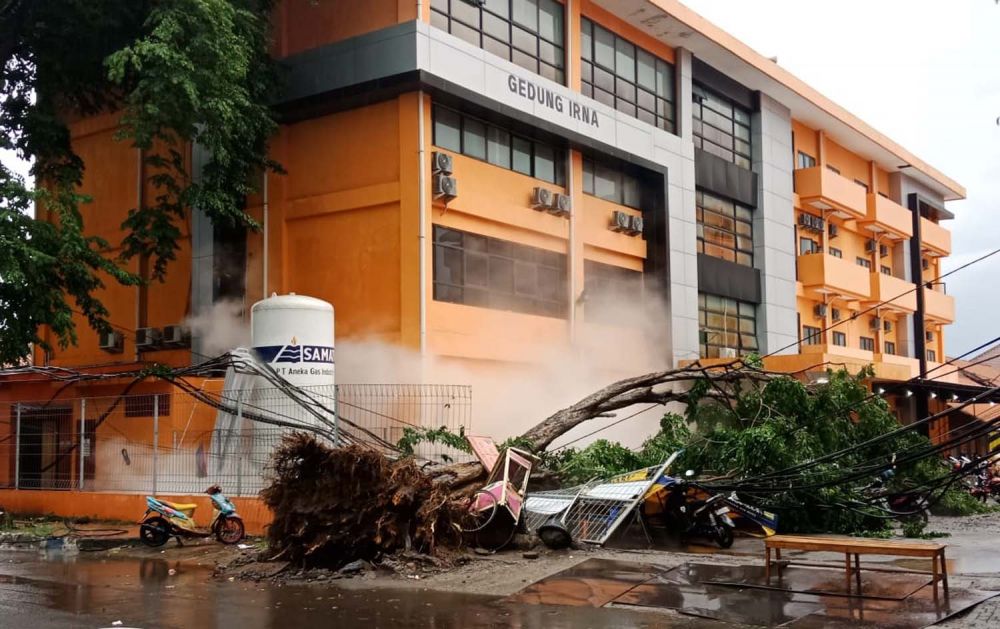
333	506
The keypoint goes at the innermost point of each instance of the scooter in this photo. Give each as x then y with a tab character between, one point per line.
164	520
707	518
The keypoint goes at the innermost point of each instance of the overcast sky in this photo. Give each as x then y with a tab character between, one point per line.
927	74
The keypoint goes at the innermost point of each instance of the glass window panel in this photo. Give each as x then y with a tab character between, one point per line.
586	39
646	73
440	5
604	97
625	90
524	40
664	80
474	138
606	183
586	71
448	265
625	59
741	115
604	47
560	179
500	7
447	236
646	100
587	90
498	147
550	54
525	279
498	48
545	167
630	191
496	27
466	13
526	14
474	242
526	61
521	149
742	132
500	247
501	275
447	125
477	270
550	20
604	79
439	20
588	176
625	106
462	31
646	116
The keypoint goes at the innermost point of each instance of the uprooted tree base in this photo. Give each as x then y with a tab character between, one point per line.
332	506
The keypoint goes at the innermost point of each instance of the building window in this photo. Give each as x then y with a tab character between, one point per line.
611	183
890	347
526	32
868	343
839	338
836	253
805	160
473	137
808	245
885	270
932	355
606	289
726	324
721	127
725	229
491	273
626	77
865	262
835	314
811	335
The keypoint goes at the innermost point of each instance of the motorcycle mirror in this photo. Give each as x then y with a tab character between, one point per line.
689	473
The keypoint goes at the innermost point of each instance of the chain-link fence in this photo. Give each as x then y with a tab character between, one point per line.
177	443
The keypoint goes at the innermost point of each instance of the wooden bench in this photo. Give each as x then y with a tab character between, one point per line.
857	546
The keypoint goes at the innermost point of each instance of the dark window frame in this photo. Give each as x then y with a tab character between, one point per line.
725	119
711	336
740	215
890	348
865	262
839	339
533	57
559	153
808	162
627	93
811	335
867	343
622	177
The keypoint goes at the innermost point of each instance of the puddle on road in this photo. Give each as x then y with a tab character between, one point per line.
144	593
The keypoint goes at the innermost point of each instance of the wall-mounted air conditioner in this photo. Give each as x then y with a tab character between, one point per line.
869	246
176	336
561	204
111	342
883	251
636	226
834	231
541	198
925	263
620	221
147	338
835	314
819	310
887	326
445	188
930	336
442	163
875	323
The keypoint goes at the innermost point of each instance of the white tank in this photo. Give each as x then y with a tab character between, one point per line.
294	335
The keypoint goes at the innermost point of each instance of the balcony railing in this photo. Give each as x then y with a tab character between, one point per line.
823	274
903	294
938	306
823	189
885	215
934	238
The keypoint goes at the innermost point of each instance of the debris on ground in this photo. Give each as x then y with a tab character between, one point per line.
334	506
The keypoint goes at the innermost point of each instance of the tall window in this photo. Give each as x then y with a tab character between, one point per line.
805	160
726	323
621	75
811	335
839	338
527	32
931	355
721	127
613	294
481	271
611	183
890	347
868	343
725	229
473	137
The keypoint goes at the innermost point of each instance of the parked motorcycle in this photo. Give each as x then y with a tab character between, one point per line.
904	505
164	520
708	519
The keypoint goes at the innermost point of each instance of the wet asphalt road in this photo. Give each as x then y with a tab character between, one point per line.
57	591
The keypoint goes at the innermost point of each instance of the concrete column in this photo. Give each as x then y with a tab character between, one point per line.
682	92
774	227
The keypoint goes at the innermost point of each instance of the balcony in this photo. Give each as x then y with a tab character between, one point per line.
823	189
886	287
938	306
885	215
936	240
822	274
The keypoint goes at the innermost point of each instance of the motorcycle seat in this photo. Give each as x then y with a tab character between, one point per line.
180	506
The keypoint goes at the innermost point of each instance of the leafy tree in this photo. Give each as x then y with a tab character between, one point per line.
182	73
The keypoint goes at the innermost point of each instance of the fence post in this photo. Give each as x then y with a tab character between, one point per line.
239	442
17	447
336	415
83	429
156	436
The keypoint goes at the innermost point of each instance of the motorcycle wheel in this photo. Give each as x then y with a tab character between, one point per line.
723	536
230	531
154	532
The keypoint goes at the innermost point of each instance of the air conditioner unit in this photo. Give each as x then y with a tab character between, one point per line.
875	323
727	352
869	246
445	187
819	310
620	221
111	342
442	163
834	231
835	314
176	336
147	338
883	251
637	225
818	223
930	336
561	204
541	198
805	220
887	326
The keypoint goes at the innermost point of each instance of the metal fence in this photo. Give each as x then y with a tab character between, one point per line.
176	443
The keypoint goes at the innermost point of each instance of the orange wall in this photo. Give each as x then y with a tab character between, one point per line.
305	24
